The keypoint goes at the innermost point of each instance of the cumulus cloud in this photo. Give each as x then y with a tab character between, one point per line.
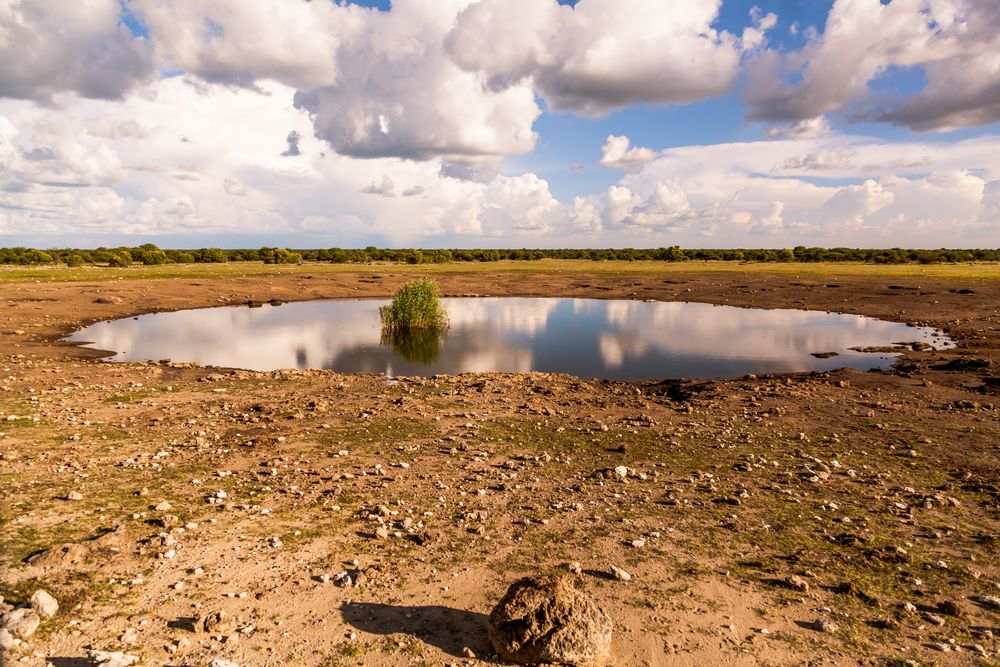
292	140
241	42
794	191
384	188
616	154
601	54
955	42
808	128
49	47
754	35
398	94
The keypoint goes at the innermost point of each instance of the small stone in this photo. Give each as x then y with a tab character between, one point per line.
823	625
163	507
7	640
382	533
113	659
989	601
44	604
213	621
22	622
575	567
74	495
935	619
620	574
468	652
796	583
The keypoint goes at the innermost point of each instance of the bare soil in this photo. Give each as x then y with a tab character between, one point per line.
746	511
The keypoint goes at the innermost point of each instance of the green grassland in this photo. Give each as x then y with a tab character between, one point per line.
965	270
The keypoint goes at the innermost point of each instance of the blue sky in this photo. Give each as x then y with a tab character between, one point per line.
502	122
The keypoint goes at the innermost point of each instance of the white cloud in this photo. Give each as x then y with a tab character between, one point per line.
792	191
398	94
754	36
600	55
384	188
242	42
616	154
808	128
49	47
956	42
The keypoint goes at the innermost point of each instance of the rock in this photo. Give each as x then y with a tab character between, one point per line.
113	659
951	608
213	621
988	601
163	507
44	604
74	495
222	662
620	574
547	619
22	622
823	625
796	583
7	640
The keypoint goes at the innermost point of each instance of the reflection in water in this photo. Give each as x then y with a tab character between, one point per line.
421	346
585	337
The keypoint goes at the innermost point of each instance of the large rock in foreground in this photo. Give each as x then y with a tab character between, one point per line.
547	619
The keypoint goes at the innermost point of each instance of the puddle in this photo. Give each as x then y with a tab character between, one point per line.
623	340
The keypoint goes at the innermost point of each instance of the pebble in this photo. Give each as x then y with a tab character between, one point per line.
74	495
823	625
113	659
620	574
163	507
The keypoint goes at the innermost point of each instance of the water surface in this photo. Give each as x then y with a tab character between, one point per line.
628	340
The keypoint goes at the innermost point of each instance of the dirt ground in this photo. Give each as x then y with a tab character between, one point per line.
149	497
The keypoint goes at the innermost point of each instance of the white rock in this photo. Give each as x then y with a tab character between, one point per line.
22	622
74	495
620	574
113	658
163	507
222	662
7	640
44	604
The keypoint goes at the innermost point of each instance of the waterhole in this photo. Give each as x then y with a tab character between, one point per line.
608	339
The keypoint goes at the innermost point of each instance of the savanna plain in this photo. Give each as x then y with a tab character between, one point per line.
184	514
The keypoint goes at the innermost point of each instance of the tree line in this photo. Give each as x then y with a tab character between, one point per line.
149	254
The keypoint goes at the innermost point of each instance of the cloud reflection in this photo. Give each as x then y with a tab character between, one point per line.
585	337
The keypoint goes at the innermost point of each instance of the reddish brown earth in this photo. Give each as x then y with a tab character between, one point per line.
872	490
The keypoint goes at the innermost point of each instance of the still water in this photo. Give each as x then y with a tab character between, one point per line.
627	340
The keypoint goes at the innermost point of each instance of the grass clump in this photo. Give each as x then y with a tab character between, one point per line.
415	307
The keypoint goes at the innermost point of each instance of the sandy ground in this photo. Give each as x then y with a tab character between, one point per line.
745	510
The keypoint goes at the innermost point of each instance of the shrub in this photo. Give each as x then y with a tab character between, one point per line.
120	259
415	306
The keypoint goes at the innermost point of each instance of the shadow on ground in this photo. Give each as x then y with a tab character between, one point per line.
450	630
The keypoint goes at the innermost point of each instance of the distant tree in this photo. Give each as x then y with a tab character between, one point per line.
210	256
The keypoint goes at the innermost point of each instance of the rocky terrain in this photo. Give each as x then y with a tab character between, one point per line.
179	515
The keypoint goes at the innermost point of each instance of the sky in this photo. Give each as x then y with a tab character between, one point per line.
500	123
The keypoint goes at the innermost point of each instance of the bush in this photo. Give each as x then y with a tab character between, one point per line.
415	306
120	259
